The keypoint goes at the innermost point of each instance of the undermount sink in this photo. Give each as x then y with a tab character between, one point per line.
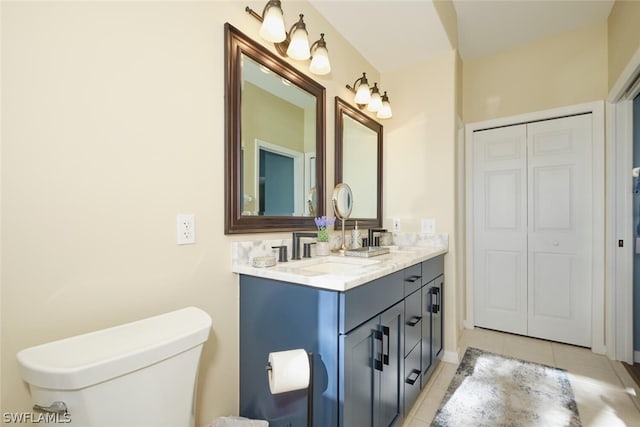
334	264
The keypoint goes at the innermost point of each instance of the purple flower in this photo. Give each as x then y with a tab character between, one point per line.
324	221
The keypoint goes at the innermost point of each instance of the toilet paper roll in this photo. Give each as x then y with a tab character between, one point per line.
289	370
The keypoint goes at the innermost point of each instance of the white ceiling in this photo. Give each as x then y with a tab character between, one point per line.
395	34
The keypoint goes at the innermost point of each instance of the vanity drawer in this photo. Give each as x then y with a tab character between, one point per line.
412	321
360	304
412	378
432	268
413	278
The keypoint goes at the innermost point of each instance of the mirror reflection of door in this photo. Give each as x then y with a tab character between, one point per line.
276	184
279	180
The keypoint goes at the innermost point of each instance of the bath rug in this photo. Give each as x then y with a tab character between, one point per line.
497	391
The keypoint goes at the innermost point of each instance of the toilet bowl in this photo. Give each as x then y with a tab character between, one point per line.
140	374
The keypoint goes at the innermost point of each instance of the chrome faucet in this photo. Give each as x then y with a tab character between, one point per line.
372	231
295	244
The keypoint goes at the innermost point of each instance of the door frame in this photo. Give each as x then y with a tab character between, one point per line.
598	183
619	272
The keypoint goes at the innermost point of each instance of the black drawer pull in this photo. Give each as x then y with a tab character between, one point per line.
414	321
412	381
412	278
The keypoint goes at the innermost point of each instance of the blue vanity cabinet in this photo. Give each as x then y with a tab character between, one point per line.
437	297
432	318
372	366
372	356
361	339
413	282
278	316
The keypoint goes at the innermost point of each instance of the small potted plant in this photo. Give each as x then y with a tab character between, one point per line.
322	241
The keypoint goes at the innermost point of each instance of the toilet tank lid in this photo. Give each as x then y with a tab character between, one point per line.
83	360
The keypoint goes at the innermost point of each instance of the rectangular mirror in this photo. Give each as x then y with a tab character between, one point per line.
274	152
359	162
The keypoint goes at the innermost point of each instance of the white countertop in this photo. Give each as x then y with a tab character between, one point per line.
340	273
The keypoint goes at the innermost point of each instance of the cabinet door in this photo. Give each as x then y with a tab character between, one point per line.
426	331
389	408
437	297
362	352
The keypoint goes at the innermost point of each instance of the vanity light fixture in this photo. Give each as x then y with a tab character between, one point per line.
299	41
295	43
375	103
272	28
371	98
385	111
320	63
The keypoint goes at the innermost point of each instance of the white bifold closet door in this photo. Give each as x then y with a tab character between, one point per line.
532	210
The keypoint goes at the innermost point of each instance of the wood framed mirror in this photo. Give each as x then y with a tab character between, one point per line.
359	162
274	141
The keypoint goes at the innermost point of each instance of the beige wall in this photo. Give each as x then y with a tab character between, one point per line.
113	123
420	164
567	69
624	37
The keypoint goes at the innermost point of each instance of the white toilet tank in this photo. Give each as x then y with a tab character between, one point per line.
140	374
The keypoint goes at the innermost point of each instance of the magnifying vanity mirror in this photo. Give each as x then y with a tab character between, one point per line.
359	161
274	152
342	200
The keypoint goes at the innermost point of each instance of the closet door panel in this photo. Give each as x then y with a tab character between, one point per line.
559	241
500	228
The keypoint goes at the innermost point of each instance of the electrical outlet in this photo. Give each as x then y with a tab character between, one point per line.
186	229
396	224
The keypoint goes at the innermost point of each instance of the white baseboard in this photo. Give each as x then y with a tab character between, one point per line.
451	357
636	356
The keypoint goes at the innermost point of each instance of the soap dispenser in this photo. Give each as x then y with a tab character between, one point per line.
355	237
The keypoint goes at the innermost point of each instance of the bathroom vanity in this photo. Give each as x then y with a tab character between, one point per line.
374	329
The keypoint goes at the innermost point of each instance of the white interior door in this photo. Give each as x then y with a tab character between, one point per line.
559	242
532	198
500	228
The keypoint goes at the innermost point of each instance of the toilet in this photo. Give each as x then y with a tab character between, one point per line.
139	374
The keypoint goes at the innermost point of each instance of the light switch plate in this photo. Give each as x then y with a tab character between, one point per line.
428	226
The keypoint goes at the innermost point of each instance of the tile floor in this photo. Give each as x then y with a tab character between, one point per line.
605	393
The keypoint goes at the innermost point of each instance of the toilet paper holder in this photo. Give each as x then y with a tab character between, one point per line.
309	389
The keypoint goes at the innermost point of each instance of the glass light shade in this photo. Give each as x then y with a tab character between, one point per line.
272	28
299	46
375	104
385	111
320	64
363	96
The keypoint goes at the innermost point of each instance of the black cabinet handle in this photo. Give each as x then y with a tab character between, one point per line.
414	321
436	306
429	302
412	278
412	381
377	363
385	356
